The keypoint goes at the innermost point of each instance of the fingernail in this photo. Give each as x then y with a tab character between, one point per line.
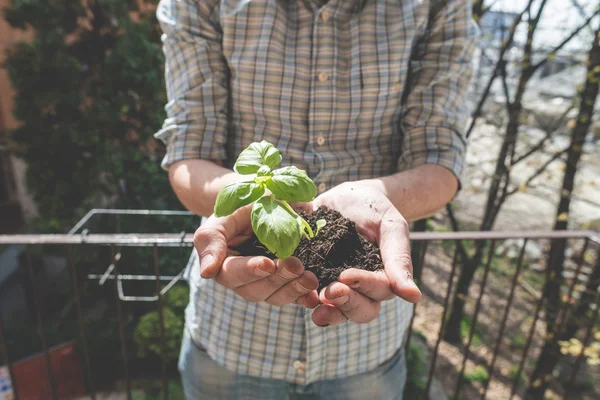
355	285
266	268
206	262
234	253
341	300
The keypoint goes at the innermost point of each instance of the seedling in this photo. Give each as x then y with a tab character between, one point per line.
274	221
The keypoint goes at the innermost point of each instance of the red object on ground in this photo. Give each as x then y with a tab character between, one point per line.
31	380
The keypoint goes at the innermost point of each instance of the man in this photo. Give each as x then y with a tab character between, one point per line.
367	96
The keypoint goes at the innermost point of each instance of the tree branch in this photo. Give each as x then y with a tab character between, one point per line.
542	142
505	46
552	54
539	171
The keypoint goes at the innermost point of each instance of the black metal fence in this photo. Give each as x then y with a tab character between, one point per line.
437	268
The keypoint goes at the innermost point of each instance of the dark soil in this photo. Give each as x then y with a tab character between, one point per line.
337	247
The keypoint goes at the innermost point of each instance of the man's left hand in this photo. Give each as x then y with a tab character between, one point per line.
358	294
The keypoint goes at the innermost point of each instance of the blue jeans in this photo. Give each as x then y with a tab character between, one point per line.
203	379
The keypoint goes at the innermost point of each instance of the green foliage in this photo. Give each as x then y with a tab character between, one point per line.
518	340
416	374
89	96
512	374
465	328
274	222
478	375
147	334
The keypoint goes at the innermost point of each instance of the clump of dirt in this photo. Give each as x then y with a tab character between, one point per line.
337	247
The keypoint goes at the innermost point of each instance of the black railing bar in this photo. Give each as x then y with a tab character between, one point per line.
78	309
4	348
586	341
420	263
475	316
536	317
107	211
95	277
175	240
110	269
563	316
121	327
161	319
40	326
443	322
513	286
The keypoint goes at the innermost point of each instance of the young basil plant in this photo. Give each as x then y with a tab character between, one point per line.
274	221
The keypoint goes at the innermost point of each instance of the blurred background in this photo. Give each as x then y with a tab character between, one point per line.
510	270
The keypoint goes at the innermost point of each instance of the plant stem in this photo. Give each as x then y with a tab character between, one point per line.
305	224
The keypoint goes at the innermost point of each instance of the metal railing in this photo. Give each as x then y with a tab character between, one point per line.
431	244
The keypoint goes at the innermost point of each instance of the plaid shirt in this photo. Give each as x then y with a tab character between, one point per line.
349	90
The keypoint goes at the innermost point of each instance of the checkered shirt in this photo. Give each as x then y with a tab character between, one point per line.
348	90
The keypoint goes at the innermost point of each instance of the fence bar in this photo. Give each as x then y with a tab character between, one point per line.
588	335
112	211
78	308
513	286
4	348
161	319
443	322
475	316
40	326
420	263
121	326
175	240
564	312
538	309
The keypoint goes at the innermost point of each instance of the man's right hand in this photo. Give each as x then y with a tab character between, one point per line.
255	278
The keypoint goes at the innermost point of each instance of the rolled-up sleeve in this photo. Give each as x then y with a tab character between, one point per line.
435	108
196	80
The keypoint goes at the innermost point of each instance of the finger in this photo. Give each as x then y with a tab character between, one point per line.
309	300
353	305
287	270
210	240
295	289
395	253
239	271
374	285
328	315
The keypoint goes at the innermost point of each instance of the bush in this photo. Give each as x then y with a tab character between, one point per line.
89	95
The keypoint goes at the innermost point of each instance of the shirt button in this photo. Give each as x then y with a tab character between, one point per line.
397	87
325	16
323	76
320	140
322	187
300	366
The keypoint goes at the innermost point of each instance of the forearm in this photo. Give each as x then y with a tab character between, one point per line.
418	192
197	183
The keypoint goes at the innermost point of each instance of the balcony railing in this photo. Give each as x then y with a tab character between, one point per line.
506	299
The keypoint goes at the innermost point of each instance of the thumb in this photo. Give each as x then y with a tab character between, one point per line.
395	253
211	239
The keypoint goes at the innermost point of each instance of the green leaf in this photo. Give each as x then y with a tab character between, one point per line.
292	184
236	195
320	224
255	156
276	227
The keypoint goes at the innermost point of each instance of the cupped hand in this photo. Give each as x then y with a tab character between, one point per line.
358	294
277	282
